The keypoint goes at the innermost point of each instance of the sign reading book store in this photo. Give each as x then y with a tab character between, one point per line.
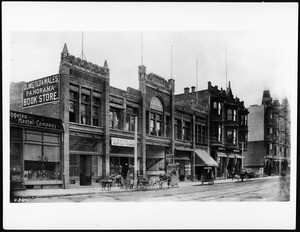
41	91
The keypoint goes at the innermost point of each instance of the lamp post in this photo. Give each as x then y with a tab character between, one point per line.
135	153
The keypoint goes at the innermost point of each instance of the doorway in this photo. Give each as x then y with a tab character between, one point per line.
85	170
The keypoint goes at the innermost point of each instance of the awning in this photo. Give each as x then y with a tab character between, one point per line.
231	156
221	154
202	158
238	156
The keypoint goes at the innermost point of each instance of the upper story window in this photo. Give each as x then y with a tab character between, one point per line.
115	118
200	132
156	122
156	104
73	105
186	130
231	136
219	133
234	115
229	114
178	129
217	108
96	109
85	107
131	113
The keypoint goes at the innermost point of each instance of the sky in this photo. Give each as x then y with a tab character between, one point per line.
261	40
256	60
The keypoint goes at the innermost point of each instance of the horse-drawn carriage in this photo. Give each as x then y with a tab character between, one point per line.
207	176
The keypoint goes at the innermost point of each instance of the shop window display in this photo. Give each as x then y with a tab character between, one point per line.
41	156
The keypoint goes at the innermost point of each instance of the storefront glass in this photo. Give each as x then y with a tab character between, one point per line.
41	156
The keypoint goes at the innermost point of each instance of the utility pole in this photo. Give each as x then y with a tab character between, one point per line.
135	153
242	155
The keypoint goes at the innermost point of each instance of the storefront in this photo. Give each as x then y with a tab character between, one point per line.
183	158
85	159
222	161
202	160
156	160
36	158
122	156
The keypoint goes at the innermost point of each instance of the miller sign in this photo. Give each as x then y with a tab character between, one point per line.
41	91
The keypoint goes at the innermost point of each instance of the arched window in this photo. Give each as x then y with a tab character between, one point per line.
229	115
215	106
156	104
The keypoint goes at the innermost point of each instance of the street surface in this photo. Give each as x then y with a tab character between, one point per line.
275	189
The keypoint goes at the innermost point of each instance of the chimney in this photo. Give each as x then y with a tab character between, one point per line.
209	84
193	89
186	90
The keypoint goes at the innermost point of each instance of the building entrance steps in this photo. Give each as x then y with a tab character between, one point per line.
44	193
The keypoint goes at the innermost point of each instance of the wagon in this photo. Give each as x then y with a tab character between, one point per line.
207	176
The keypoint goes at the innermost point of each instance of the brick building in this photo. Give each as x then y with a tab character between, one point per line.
269	136
98	124
227	125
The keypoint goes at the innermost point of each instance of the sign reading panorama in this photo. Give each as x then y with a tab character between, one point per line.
122	142
41	91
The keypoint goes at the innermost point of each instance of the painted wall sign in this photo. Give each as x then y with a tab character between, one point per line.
122	142
35	120
41	91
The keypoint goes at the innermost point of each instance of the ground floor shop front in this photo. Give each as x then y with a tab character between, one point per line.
36	159
230	164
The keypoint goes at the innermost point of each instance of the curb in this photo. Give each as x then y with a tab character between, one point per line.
129	190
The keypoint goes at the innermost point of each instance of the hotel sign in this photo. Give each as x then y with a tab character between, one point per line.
44	90
122	142
36	121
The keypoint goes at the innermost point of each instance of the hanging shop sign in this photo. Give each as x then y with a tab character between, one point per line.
169	158
122	142
41	91
35	121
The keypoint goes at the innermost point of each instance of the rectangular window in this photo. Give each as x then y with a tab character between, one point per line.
234	115
115	119
130	122
152	124
219	133
96	109
219	108
85	107
159	124
156	124
73	106
229	136
198	132
74	165
41	156
186	130
229	115
178	130
234	136
203	134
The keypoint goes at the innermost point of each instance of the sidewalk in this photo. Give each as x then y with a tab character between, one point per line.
42	193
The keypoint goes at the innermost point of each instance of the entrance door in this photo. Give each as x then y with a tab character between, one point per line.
85	170
181	170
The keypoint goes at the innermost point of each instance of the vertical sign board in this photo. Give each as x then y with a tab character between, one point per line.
41	91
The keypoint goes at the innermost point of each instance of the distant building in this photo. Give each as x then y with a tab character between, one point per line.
269	136
227	125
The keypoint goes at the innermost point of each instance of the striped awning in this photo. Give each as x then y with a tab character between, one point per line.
204	159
